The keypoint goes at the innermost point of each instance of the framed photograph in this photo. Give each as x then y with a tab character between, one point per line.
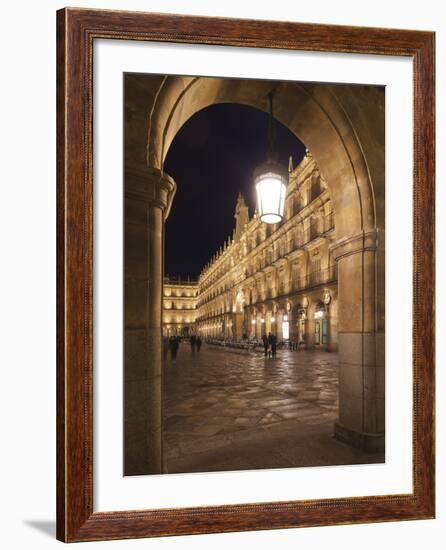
245	275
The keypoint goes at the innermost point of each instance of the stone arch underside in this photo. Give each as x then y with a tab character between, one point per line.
313	112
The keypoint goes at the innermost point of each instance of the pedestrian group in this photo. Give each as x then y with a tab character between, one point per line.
172	344
270	344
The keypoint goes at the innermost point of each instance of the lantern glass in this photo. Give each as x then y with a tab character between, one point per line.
271	192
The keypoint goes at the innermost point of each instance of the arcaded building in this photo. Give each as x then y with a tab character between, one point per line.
267	278
276	278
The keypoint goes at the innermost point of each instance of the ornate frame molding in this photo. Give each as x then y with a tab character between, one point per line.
76	31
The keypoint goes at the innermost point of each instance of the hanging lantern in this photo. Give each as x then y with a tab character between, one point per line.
271	183
271	179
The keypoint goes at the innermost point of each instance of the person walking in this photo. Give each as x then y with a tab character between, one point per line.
174	344
165	347
265	344
198	342
193	341
272	341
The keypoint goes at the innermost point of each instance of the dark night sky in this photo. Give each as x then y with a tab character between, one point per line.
212	158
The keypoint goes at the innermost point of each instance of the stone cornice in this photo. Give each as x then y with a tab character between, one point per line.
280	261
364	241
295	254
151	186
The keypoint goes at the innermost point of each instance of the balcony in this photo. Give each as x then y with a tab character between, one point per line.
318	229
323	276
311	233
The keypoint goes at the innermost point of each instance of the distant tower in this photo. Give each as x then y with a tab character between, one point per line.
241	216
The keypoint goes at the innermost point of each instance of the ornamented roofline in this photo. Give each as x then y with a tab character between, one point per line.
168	281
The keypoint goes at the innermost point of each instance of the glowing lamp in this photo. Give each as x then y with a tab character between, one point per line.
271	179
271	183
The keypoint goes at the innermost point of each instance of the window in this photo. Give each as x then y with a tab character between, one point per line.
315	271
315	189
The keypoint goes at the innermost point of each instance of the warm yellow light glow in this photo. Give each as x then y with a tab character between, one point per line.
273	320
253	322
286	330
271	191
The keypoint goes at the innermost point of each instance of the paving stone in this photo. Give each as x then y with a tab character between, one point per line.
235	411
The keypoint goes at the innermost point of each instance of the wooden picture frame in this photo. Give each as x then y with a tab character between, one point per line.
76	31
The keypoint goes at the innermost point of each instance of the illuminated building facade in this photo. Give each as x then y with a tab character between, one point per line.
179	307
268	278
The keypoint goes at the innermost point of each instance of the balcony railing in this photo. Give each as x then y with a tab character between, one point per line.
178	281
315	278
316	229
310	233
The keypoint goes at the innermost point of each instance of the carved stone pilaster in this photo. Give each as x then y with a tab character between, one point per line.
151	186
148	198
361	344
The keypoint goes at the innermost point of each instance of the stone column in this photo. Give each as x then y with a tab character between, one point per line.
148	196
293	320
278	323
251	331
237	325
310	326
361	346
332	310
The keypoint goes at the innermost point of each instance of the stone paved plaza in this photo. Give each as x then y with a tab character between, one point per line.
237	410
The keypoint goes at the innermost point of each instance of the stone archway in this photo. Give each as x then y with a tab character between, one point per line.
343	127
313	112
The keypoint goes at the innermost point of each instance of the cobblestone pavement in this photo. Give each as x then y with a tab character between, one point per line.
234	410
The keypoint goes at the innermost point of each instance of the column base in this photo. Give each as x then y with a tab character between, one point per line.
368	442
